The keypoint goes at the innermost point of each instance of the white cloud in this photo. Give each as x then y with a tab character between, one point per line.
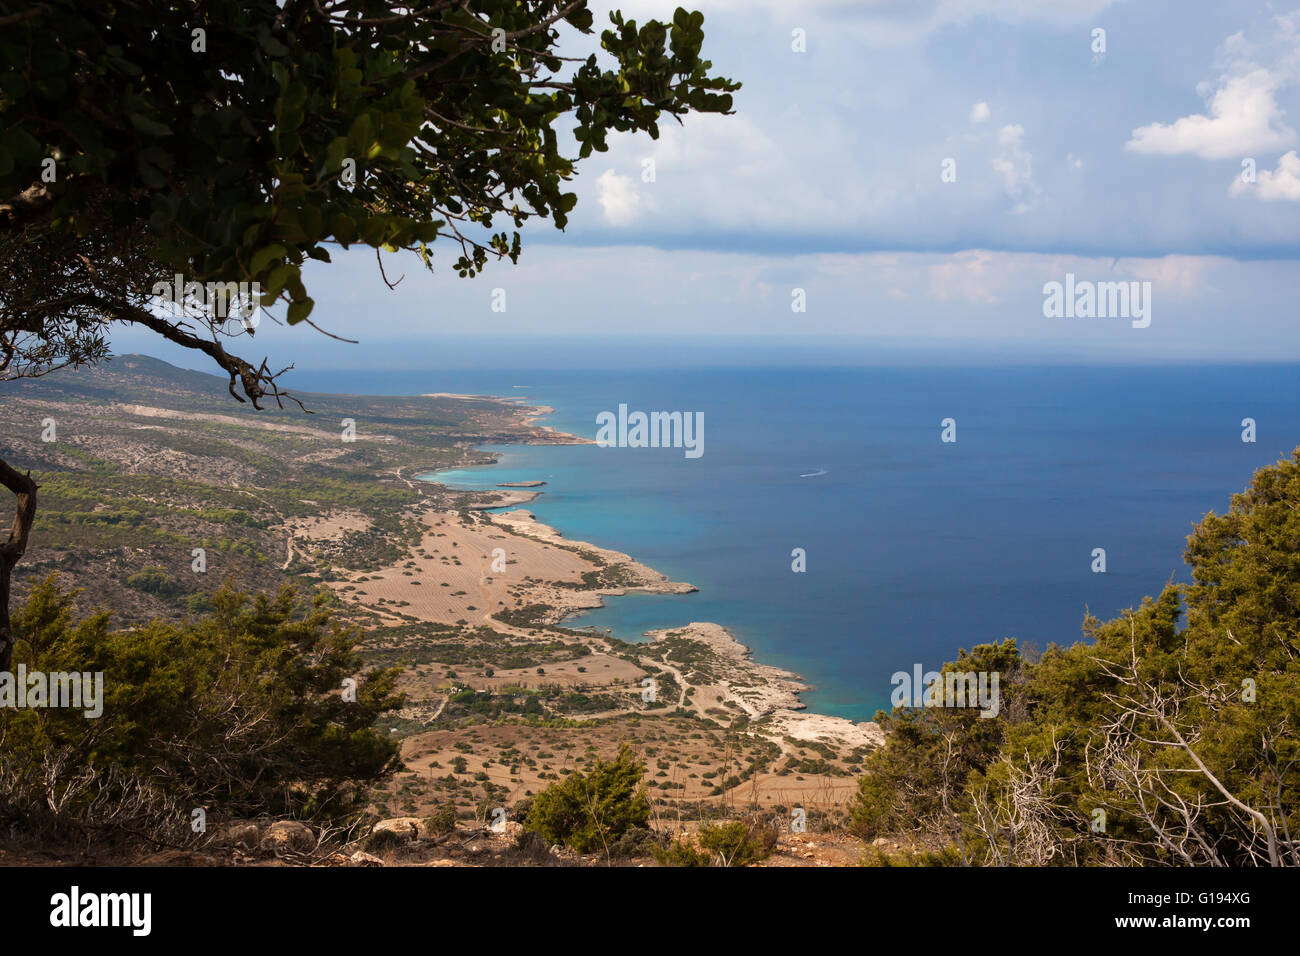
729	173
1181	277
966	276
1243	111
1244	117
878	23
820	153
1282	183
1015	165
618	198
1020	11
979	298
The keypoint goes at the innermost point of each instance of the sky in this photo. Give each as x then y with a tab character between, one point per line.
900	181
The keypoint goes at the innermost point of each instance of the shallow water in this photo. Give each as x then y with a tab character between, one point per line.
915	547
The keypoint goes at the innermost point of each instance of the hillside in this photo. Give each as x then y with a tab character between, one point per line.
150	467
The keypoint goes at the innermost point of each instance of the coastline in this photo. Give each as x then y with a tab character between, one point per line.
768	697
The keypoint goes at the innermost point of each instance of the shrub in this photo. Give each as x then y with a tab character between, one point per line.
738	843
681	853
238	712
875	856
638	841
385	840
154	580
442	820
590	812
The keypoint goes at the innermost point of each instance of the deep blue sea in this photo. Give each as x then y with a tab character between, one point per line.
915	547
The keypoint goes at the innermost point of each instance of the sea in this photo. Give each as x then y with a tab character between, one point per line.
912	547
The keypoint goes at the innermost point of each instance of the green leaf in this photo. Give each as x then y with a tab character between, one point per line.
262	257
361	135
373	230
343	228
309	221
276	279
148	126
334	156
24	147
299	310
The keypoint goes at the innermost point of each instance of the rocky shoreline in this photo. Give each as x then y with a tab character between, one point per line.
769	696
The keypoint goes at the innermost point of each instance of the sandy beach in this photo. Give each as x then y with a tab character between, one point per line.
471	565
491	570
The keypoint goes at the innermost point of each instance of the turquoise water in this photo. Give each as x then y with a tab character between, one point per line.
915	548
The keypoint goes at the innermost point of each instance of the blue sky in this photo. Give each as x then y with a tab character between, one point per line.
1056	149
1120	165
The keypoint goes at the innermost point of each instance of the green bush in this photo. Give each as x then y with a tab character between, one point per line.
590	812
735	843
154	580
681	853
874	856
442	820
239	712
1189	696
738	843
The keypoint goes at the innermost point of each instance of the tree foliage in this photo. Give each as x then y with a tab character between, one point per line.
229	142
591	811
233	140
240	712
1169	737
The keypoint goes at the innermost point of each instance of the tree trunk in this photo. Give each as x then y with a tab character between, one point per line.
12	550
